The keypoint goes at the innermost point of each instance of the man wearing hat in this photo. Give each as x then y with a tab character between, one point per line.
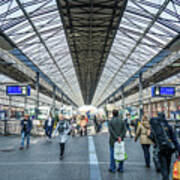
26	126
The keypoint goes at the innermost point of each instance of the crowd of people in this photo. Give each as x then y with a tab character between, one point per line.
153	131
77	126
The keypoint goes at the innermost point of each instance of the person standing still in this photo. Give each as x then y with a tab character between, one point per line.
26	126
117	131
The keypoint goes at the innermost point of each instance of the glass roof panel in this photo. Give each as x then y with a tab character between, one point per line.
43	41
139	40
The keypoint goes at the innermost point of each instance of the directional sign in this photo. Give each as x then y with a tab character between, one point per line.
18	90
161	91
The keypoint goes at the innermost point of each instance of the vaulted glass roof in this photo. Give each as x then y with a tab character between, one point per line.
146	28
36	29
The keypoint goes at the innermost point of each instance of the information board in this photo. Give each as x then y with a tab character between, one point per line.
161	91
17	90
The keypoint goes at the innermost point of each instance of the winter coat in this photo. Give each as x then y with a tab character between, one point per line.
117	128
142	131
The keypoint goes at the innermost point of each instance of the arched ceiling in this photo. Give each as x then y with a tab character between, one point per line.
90	48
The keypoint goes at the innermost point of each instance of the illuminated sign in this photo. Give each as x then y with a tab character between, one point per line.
16	90
158	91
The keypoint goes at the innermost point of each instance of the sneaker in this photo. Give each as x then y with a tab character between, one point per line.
112	171
120	170
61	157
21	148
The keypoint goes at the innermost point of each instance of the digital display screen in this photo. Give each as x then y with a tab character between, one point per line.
18	90
158	91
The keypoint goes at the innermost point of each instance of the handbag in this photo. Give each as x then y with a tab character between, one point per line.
119	151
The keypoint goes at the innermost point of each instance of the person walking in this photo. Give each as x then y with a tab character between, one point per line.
128	121
142	132
49	124
64	130
95	123
26	127
117	131
83	124
165	139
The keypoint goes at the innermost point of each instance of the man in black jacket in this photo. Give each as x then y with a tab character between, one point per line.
26	126
166	149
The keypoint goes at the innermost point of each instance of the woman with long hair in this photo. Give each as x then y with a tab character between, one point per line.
142	132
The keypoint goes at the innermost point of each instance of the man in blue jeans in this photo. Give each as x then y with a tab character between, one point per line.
26	126
117	131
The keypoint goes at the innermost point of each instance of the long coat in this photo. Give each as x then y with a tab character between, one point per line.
117	128
142	131
63	129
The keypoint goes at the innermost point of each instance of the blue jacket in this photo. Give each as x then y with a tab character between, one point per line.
28	127
46	123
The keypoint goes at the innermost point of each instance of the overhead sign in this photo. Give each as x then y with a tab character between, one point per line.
18	90
158	91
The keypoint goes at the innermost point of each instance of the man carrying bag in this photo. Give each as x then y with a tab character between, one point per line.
117	131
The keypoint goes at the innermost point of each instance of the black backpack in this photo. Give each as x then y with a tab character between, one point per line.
62	126
161	134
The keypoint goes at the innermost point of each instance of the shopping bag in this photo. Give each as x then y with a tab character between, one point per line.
119	151
125	157
176	170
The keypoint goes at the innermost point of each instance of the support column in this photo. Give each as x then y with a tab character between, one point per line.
9	116
140	97
37	95
166	107
123	102
62	101
106	109
25	103
149	108
114	101
54	99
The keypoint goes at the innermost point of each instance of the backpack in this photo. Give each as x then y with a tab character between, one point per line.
162	135
62	126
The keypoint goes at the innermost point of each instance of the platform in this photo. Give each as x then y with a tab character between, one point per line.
41	160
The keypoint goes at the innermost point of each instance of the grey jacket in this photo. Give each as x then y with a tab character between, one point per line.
117	128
